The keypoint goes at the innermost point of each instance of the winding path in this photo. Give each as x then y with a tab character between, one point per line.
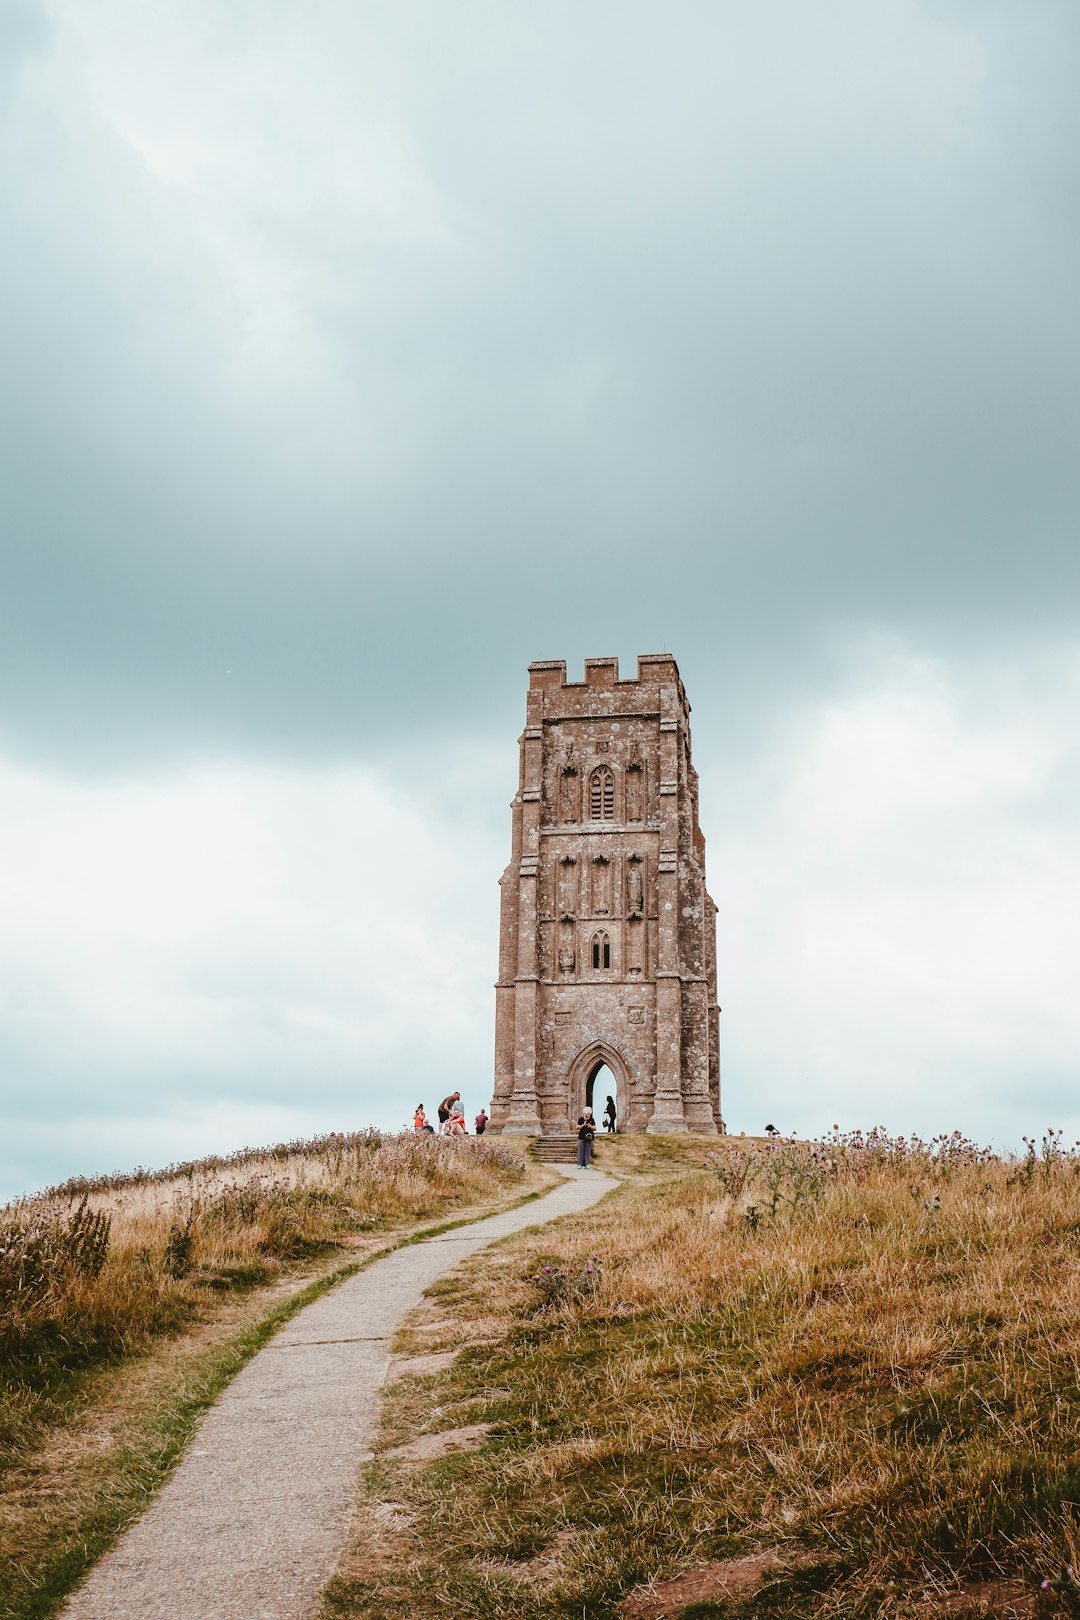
254	1520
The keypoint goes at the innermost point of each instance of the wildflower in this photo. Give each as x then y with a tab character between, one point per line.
1066	1582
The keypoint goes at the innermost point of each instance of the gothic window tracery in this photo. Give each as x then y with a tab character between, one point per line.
602	794
601	950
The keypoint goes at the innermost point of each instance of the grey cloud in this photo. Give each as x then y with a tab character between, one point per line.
710	307
745	331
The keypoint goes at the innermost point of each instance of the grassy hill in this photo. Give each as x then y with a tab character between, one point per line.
769	1380
761	1378
128	1302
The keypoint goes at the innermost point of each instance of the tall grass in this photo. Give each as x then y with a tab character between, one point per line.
865	1350
95	1267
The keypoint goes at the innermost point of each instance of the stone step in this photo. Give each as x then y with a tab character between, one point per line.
555	1149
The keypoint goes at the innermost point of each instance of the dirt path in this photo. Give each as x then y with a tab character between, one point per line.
253	1521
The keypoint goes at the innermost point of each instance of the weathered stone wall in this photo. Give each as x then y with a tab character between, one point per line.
608	935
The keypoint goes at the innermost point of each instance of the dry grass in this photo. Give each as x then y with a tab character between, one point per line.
90	1270
867	1360
114	1349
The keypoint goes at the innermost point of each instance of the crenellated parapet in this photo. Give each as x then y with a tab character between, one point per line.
653	669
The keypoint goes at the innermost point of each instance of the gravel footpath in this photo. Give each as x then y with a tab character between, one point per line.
253	1521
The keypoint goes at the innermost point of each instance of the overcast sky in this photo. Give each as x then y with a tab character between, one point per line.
354	355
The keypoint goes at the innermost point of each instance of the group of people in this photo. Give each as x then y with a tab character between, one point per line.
451	1116
452	1123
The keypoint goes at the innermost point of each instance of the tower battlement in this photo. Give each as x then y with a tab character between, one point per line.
654	669
657	668
607	957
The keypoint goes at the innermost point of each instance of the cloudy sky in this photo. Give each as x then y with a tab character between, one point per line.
357	353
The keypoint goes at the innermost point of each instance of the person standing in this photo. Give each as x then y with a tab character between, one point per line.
446	1106
586	1132
420	1119
481	1122
609	1115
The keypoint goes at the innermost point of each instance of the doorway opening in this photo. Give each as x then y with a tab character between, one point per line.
600	1086
598	1071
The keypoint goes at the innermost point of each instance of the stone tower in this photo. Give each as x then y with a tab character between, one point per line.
607	951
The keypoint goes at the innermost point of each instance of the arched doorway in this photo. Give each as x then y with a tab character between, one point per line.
597	1072
601	1085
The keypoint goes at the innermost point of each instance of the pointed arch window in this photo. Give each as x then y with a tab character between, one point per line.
601	950
602	794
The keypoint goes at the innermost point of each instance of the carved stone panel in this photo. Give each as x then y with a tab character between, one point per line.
635	946
568	790
635	887
601	886
635	788
568	886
